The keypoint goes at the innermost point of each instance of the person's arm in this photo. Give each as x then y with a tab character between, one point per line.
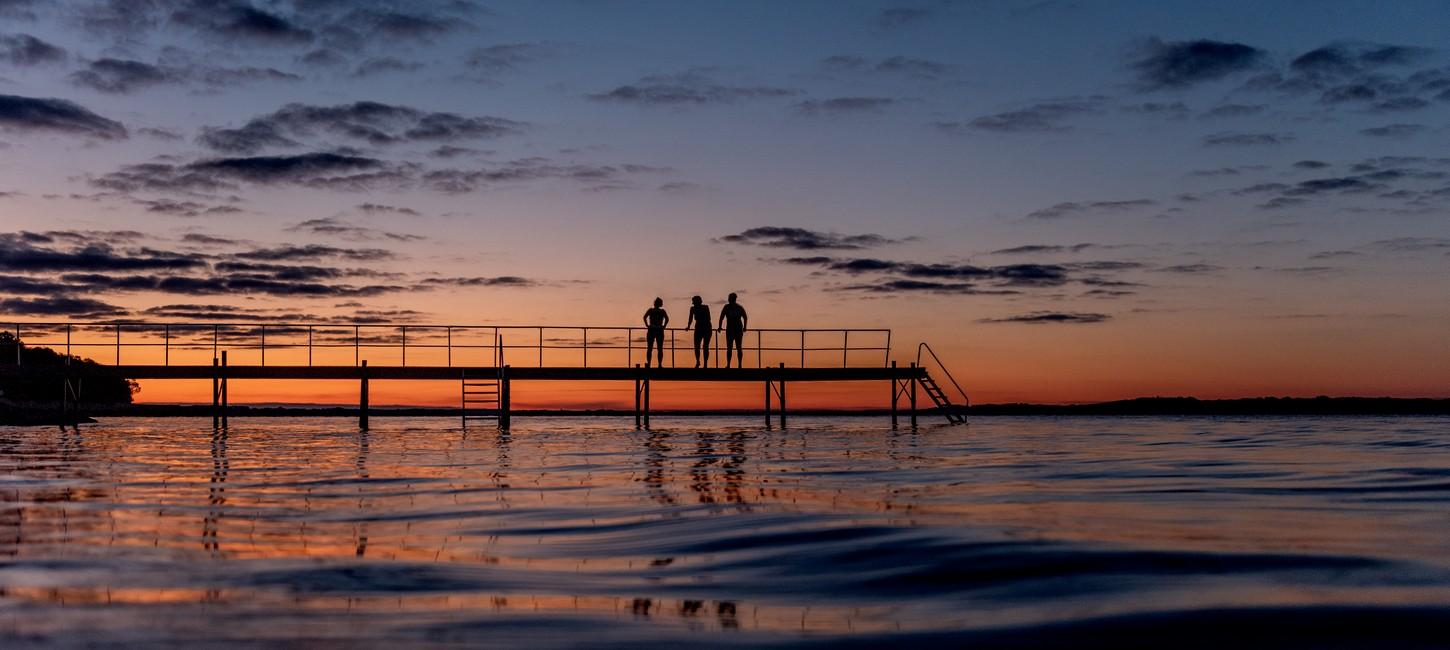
666	322
646	318
721	326
744	320
690	320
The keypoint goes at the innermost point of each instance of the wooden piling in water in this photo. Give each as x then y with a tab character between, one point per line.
913	397
505	407
637	388
767	404
224	389
894	395
781	383
216	393
362	402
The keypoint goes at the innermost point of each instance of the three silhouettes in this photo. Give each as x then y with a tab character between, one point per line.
733	320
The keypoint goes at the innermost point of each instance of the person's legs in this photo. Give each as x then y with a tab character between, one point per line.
705	347
653	340
733	341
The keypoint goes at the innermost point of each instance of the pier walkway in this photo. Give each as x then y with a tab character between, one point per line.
485	359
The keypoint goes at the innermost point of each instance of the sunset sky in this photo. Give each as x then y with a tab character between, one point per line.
1071	201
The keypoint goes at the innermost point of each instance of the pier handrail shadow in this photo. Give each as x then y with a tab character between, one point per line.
449	345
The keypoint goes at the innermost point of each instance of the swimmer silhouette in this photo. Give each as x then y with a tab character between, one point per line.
734	321
700	316
655	321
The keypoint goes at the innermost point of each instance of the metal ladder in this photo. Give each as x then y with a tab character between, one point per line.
482	392
952	412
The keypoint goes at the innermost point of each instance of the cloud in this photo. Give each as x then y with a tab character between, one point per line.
692	87
1037	118
315	170
125	76
506	57
457	181
1036	249
897	65
27	50
373	122
208	240
805	240
294	252
38	114
1235	110
499	281
384	65
242	21
398	24
1246	139
377	208
1074	208
335	227
1181	64
122	76
1353	58
842	105
59	306
1311	164
28	252
895	17
1188	269
185	208
1010	275
1051	318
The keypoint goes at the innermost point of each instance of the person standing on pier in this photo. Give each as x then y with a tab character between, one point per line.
700	316
734	321
655	321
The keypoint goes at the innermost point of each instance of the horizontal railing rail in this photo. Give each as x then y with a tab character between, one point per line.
450	345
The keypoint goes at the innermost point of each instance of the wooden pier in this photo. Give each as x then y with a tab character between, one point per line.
485	390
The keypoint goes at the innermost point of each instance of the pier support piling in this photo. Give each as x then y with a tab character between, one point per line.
894	394
913	396
637	388
362	401
216	393
505	407
224	389
767	404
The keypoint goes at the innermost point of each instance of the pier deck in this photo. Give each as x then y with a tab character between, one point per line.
476	356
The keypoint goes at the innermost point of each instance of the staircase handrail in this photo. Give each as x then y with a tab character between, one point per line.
923	346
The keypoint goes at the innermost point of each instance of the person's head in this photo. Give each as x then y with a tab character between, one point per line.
696	300
659	302
731	298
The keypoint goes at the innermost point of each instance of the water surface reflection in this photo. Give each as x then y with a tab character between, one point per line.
712	531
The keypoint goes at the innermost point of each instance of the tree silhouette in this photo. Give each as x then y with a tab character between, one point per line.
101	389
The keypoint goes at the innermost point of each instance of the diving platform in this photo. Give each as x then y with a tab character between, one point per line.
479	357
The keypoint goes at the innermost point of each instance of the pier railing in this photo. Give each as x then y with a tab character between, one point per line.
332	344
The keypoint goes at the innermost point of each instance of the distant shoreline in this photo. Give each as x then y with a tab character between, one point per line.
1151	406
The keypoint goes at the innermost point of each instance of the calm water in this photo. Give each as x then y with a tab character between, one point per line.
1123	532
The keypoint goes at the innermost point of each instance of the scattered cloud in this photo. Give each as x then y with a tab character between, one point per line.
692	87
27	50
315	170
1246	139
1395	130
60	306
895	17
335	227
1075	208
57	115
1051	318
1179	64
805	240
1038	118
1038	249
372	122
843	105
895	65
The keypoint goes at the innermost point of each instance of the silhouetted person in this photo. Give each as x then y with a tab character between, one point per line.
734	320
655	321
700	316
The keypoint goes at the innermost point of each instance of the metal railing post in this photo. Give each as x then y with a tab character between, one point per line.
118	344
264	345
356	343
758	361
586	347
166	342
215	330
450	347
309	346
845	346
405	346
67	343
629	348
541	347
803	348
17	344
